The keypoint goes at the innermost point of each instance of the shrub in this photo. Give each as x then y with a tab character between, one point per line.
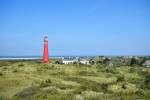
78	97
92	95
27	93
20	65
3	98
77	91
39	69
3	63
86	73
15	70
108	75
104	86
101	68
66	96
51	90
147	81
53	66
46	83
143	72
64	86
91	85
124	86
1	74
139	92
38	62
75	79
133	61
120	78
111	70
5	68
131	70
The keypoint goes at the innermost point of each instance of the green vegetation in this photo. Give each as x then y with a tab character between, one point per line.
34	80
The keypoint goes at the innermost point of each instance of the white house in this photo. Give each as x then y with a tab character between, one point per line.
68	61
147	63
84	61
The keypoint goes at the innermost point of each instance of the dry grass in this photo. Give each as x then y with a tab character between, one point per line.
32	80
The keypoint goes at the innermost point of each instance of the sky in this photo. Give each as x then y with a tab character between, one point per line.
75	27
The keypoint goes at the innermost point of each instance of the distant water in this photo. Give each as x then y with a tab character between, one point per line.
32	57
25	57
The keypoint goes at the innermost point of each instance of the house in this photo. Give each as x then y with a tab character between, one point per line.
72	60
84	61
147	63
69	60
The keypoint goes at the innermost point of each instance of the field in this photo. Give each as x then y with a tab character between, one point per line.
34	80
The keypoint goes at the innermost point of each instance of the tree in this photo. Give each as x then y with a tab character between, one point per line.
106	61
133	61
147	81
91	61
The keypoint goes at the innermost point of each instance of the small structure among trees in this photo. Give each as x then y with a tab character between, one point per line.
147	63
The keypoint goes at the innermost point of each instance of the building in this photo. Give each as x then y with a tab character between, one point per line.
147	63
69	60
84	61
45	54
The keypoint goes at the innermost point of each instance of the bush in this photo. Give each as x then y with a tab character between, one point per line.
38	62
92	95
27	93
20	65
53	66
75	79
3	63
51	90
63	86
111	70
124	86
108	75
46	83
131	70
142	71
77	91
78	97
86	73
91	85
147	81
1	74
133	61
3	98
15	70
101	68
104	86
39	69
120	78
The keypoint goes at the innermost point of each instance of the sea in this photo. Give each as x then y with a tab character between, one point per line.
25	57
34	57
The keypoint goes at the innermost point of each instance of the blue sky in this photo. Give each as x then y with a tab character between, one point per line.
75	27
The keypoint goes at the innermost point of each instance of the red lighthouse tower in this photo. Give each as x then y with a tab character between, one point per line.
45	54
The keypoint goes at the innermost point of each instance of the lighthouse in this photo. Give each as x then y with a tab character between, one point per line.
45	53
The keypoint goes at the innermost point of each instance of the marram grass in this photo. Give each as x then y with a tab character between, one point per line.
33	80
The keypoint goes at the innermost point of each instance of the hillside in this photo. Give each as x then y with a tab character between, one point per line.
33	80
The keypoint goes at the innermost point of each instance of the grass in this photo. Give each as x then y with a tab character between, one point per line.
34	80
